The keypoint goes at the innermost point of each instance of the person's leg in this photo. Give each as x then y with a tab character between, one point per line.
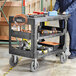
72	51
72	34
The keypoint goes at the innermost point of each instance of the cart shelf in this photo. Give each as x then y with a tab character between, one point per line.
51	35
50	53
20	52
47	43
26	35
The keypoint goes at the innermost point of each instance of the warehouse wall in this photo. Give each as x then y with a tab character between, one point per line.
32	6
47	4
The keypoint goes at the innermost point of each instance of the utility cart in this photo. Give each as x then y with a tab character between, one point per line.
39	46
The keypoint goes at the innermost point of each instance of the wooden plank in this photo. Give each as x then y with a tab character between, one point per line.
49	43
17	3
7	38
2	19
4	30
11	3
3	22
12	11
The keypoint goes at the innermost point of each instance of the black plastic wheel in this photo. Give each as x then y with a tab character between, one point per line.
63	58
34	66
11	61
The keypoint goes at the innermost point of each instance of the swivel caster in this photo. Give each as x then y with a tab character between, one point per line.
63	57
34	66
13	61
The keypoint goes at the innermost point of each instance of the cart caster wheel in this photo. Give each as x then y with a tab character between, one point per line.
34	66
63	58
13	61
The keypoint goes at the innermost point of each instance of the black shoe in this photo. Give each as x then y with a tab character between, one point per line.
71	57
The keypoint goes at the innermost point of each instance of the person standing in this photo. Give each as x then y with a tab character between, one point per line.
69	7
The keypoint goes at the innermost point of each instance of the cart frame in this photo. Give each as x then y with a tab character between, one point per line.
33	36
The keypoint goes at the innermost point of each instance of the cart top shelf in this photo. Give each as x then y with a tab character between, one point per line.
38	19
50	18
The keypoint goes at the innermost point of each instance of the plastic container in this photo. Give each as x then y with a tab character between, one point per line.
52	13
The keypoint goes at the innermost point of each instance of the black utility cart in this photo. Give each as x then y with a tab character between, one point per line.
37	37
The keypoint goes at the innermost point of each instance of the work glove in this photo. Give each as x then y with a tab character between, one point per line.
65	13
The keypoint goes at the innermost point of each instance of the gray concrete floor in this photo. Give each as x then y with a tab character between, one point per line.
51	66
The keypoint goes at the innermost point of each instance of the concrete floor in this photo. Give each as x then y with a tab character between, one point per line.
51	66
